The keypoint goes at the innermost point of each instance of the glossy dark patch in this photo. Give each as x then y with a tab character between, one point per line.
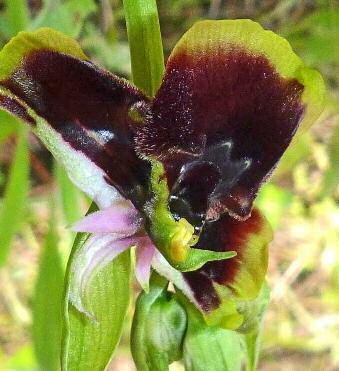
232	98
13	106
89	108
226	234
190	192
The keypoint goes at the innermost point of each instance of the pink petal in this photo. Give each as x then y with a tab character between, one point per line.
120	219
144	254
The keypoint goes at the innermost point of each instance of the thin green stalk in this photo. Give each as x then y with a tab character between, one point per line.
144	37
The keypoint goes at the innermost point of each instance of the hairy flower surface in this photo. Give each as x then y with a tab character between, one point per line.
175	175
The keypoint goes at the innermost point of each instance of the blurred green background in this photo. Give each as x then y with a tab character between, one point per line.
37	201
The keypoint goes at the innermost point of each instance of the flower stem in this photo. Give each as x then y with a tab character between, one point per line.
147	58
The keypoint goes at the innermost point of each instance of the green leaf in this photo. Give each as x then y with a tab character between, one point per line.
48	303
209	348
253	339
67	17
88	343
17	15
8	125
158	328
70	196
12	212
145	43
5	29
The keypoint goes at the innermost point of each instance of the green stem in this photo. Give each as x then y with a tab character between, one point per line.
147	62
144	37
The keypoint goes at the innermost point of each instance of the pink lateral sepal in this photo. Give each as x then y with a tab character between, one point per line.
122	219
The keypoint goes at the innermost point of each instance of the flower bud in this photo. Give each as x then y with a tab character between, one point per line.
158	328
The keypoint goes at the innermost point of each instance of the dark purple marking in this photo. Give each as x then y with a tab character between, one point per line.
190	192
16	108
234	100
203	290
89	108
225	234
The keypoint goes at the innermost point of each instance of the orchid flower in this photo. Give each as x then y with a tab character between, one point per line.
174	175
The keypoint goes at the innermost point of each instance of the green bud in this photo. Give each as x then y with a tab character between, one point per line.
158	328
210	348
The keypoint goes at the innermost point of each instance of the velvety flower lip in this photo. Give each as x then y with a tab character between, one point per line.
184	166
227	110
235	103
88	119
230	103
228	107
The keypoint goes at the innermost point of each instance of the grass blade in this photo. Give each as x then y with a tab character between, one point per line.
70	196
8	125
11	214
47	304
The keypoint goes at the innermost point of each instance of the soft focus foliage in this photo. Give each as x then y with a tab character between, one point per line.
301	327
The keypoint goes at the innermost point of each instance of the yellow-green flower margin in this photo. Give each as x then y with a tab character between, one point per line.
219	36
247	282
13	53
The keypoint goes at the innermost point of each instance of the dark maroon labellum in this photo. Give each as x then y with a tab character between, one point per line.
220	124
